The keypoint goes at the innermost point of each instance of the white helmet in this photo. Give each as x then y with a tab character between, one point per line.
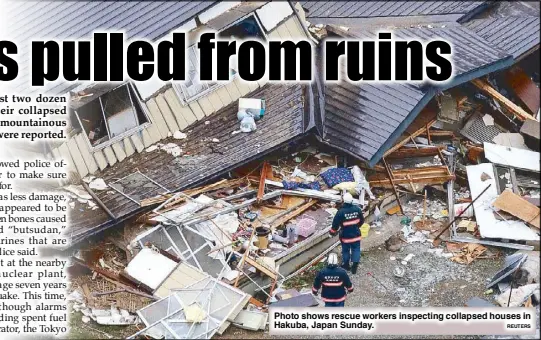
347	198
332	259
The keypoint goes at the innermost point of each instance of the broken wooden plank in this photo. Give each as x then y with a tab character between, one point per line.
518	206
261	189
244	256
508	104
224	183
278	222
438	133
98	201
412	135
425	179
262	268
411	153
524	88
390	174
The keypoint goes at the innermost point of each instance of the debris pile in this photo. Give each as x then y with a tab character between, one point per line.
465	173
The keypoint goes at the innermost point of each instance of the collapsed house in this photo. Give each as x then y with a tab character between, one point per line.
226	219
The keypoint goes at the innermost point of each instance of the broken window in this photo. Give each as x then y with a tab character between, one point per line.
112	116
193	88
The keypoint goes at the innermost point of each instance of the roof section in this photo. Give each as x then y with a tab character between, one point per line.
284	119
516	34
372	9
32	20
366	119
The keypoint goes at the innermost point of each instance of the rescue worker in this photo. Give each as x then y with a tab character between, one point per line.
334	283
347	223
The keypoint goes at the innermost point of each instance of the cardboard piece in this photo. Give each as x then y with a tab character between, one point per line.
518	206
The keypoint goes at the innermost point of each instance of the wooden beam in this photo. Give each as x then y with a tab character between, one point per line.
292	214
524	88
509	105
410	152
425	179
405	141
261	189
98	201
390	174
438	133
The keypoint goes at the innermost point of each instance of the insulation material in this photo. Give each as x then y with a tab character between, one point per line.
150	267
518	206
488	225
273	13
513	157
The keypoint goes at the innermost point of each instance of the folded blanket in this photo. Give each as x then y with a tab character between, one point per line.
294	185
336	176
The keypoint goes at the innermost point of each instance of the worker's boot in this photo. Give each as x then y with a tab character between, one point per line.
354	267
345	266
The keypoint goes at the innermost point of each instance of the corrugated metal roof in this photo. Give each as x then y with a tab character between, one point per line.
371	9
515	35
284	119
33	20
366	119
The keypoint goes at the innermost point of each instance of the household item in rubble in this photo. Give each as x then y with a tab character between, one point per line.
254	107
364	230
250	216
336	176
262	234
248	124
241	115
287	236
292	235
459	209
306	227
405	220
298	185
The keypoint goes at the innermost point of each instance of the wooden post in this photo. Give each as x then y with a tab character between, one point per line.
390	174
261	189
428	134
424	209
241	263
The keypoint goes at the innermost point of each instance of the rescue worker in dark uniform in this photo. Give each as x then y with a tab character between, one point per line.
334	283
347	222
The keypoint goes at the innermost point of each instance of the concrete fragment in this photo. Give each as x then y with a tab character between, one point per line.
518	295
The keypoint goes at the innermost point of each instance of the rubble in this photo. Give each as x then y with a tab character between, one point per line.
462	173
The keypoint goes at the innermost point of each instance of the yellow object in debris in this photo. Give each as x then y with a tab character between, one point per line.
364	229
346	186
194	313
444	212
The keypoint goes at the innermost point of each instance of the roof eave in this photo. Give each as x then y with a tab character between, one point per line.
477	10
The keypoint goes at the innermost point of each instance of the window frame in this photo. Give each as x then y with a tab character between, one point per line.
178	87
125	134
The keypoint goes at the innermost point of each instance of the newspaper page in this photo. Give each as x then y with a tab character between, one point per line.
274	169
